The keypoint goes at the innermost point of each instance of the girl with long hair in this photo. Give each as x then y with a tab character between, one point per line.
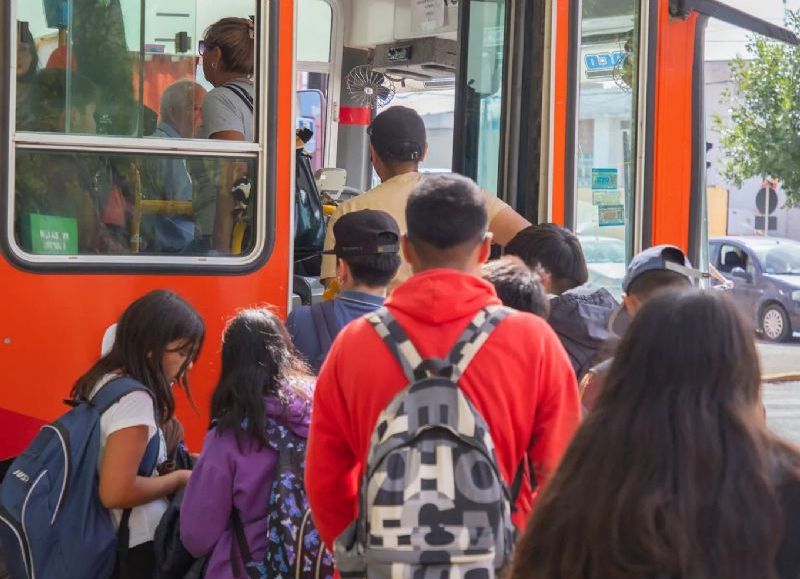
158	338
674	474
261	378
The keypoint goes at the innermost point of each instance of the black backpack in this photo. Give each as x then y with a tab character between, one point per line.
309	219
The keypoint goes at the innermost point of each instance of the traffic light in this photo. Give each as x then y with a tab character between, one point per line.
709	146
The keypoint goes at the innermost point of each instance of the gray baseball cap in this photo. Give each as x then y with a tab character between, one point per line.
660	257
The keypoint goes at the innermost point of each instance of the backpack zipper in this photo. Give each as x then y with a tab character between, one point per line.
27	557
57	428
25	508
299	548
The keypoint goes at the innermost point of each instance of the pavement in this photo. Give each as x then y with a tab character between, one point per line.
781	370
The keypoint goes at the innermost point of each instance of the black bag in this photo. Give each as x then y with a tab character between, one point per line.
173	561
309	226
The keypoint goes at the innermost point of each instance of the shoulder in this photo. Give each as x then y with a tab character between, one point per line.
134	409
221	96
299	316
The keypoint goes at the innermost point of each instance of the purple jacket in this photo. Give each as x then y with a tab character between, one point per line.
227	476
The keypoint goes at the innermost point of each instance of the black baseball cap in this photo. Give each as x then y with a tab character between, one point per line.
365	232
398	134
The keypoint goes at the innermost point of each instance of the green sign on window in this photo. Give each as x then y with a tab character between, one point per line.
51	235
604	180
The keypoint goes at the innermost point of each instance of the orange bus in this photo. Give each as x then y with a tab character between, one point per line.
587	113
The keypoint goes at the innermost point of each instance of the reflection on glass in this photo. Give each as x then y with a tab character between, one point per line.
312	106
124	55
607	114
84	203
485	90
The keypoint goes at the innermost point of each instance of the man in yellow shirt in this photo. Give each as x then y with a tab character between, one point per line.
398	144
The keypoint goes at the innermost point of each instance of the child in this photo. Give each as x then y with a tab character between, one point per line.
261	377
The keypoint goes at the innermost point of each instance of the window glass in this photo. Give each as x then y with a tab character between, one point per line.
315	19
605	159
484	91
132	68
312	106
70	203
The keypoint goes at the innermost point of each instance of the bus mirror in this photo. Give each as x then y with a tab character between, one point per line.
331	181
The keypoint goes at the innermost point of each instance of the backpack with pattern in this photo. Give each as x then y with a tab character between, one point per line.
432	501
294	547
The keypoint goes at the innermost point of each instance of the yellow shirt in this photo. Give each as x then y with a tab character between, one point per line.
390	196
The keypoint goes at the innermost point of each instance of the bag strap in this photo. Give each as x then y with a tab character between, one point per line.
241	93
325	323
414	366
473	337
240	540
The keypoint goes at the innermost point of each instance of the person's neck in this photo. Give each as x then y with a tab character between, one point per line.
225	77
468	268
396	172
364	289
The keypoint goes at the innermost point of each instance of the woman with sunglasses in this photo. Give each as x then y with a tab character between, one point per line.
228	52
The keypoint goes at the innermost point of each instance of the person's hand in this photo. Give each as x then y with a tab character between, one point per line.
183	477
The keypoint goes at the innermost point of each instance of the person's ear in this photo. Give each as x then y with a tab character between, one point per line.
485	248
631	303
342	271
409	253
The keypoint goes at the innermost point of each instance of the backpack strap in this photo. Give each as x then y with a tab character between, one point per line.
241	93
398	343
473	337
240	540
325	324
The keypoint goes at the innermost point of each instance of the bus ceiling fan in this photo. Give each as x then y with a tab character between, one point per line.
368	87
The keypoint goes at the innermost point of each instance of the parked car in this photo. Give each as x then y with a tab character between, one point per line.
605	259
765	272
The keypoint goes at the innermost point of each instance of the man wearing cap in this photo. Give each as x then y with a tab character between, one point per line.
652	272
398	144
367	256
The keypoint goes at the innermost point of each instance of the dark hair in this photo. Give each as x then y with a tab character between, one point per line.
373	270
144	331
446	211
649	283
674	473
234	38
25	37
517	286
45	107
258	360
554	249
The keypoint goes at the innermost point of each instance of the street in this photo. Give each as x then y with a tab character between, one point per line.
782	399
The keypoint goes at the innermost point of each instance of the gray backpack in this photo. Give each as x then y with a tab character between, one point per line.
432	501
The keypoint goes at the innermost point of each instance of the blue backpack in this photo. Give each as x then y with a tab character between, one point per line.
294	547
52	523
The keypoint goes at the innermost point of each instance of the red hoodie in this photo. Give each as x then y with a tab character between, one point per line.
521	382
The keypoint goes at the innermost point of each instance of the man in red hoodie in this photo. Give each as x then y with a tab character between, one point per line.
520	380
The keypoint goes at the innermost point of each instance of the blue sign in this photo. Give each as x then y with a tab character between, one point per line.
604	60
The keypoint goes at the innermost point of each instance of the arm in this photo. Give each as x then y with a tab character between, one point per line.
120	485
506	224
331	466
557	409
227	136
208	500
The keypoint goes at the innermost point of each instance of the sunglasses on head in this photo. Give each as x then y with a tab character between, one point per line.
203	46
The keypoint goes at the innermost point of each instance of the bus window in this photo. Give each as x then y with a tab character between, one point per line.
93	80
126	204
127	55
606	139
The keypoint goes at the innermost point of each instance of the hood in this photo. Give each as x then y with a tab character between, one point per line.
442	295
581	315
294	412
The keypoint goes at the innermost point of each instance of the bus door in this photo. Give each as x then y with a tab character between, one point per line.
115	182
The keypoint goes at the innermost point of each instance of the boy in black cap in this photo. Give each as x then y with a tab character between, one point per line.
398	145
367	254
651	272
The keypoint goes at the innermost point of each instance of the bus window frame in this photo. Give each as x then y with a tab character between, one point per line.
333	68
265	156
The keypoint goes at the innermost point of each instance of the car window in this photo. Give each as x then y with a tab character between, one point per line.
780	260
731	257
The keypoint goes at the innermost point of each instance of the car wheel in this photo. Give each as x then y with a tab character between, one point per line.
775	325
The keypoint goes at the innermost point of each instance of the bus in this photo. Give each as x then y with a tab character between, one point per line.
586	113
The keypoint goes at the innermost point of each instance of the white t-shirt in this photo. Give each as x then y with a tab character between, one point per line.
224	109
134	409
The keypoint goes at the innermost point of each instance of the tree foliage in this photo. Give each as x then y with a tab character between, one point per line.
762	138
